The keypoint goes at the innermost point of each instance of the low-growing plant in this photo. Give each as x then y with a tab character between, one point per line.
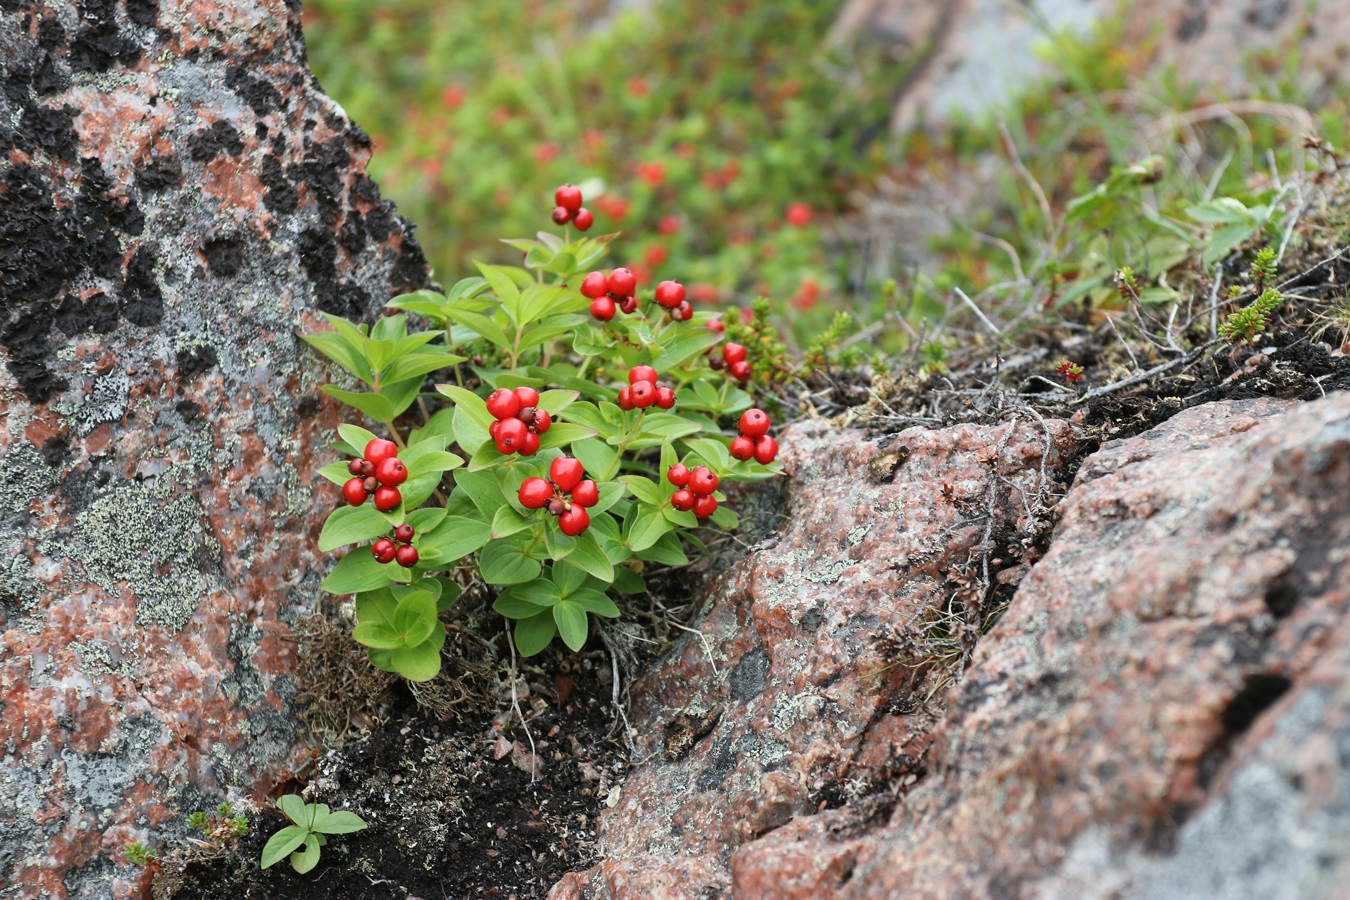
303	841
585	434
139	854
222	825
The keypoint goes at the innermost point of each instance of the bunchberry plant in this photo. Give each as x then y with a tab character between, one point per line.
303	841
536	467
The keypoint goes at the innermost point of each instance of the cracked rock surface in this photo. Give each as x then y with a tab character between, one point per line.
178	199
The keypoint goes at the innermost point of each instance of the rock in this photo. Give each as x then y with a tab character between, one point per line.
177	200
798	694
1163	710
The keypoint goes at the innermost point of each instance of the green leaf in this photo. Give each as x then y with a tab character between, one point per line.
647	527
562	434
595	455
588	556
356	438
508	522
557	545
340	351
684	348
282	844
471	403
419	663
723	517
664	425
424	520
570	618
377	406
359	571
504	562
1224	210
307	858
556	401
454	538
481	325
336	472
294	808
568	577
542	300
468	432
644	489
415	617
595	601
626	581
484	489
450	592
541	592
535	633
352	525
419	365
683	519
505	289
666	550
342	822
377	635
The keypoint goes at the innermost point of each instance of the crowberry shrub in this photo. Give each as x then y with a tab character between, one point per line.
529	470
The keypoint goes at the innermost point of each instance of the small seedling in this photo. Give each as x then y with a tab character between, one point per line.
224	825
303	840
1248	322
139	854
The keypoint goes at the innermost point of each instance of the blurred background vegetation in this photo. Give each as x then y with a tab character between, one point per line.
738	152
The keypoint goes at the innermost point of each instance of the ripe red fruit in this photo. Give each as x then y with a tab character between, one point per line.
754	423
733	353
574	521
703	481
766	448
403	533
354	491
705	506
383	550
561	216
492	429
391	472
406	556
683	500
503	403
678	475
602	308
628	305
594	286
378	450
529	446
740	370
387	498
586	494
669	294
622	281
716	325
535	493
742	448
625	398
583	219
568	197
665	397
511	435
542	420
643	394
641	373
527	396
682	313
356	467
566	472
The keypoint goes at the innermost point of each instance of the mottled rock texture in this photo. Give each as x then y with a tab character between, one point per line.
1163	711
177	199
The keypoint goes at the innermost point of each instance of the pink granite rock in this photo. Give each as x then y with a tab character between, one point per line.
177	200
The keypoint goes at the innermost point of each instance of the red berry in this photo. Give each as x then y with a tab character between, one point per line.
628	305
526	415
583	219
678	475
705	506
568	197
403	533
503	403
754	423
742	448
561	216
566	472
367	468
733	353
527	396
391	472
574	521
703	481
357	467
595	286
622	282
535	493
354	491
493	428
716	325
683	500
406	556
383	550
542	420
602	308
682	313
643	394
511	435
387	498
626	397
586	494
641	373
669	294
766	448
740	370
529	446
378	450
665	397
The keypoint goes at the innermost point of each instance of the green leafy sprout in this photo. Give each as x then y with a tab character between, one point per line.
303	841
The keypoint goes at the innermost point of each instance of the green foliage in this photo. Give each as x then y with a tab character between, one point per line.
139	854
304	840
224	824
1246	323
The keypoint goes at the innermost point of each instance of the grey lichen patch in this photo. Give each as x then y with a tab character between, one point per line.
106	402
24	477
857	533
95	657
831	573
155	547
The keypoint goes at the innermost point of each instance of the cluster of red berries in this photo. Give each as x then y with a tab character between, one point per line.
607	293
566	496
520	421
696	488
569	208
400	547
643	390
670	297
733	360
379	474
754	440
